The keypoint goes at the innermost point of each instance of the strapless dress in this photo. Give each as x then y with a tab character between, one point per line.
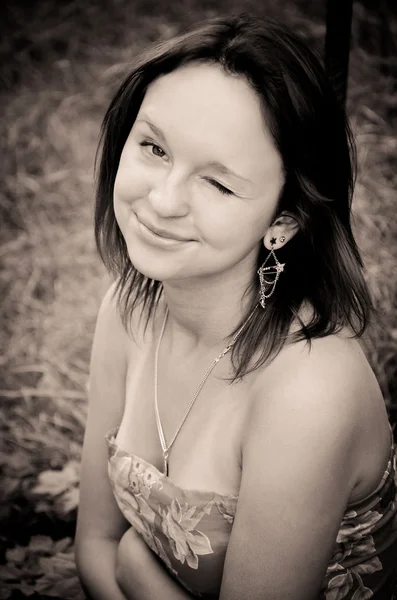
189	530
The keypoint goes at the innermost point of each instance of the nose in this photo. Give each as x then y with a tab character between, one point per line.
168	196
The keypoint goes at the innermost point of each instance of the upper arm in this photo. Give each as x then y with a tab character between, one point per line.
98	514
297	475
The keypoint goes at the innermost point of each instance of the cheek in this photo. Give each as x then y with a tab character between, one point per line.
132	179
237	227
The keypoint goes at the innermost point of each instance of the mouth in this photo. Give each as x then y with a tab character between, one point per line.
163	234
166	235
159	237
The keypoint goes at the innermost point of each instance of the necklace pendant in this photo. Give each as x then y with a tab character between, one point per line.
165	469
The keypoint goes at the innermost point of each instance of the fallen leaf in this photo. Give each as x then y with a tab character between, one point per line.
51	482
54	482
41	544
19	464
9	572
62	545
61	564
16	555
69	588
42	506
68	501
60	579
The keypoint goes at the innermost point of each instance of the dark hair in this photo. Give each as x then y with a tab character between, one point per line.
311	132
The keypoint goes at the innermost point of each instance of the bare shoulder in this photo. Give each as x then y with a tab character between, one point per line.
334	365
117	339
109	320
328	391
109	314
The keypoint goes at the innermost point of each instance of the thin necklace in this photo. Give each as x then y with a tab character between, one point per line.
165	448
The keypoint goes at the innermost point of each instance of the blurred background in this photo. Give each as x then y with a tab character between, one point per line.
60	64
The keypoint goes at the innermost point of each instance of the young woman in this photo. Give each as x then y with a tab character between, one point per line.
237	443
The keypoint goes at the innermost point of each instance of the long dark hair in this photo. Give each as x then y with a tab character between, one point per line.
312	134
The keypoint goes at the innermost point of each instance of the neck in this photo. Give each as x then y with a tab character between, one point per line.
203	314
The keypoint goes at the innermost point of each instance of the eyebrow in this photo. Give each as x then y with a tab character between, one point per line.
221	168
154	128
216	165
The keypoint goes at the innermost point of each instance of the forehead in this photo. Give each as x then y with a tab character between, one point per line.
201	106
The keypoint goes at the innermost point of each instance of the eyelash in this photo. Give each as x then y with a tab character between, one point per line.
219	186
147	144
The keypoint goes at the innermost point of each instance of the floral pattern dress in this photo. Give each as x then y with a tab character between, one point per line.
189	530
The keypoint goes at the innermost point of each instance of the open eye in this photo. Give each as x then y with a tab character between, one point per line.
156	150
220	187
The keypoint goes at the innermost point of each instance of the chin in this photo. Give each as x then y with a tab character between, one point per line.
157	269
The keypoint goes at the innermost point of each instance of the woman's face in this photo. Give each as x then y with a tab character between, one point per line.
200	168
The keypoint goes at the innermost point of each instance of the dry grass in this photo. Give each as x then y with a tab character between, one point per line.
66	63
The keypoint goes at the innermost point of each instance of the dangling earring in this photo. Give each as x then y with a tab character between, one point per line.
272	270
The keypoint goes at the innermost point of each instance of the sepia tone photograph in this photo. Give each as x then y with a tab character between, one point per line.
198	323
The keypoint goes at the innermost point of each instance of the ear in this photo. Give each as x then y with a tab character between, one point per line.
284	226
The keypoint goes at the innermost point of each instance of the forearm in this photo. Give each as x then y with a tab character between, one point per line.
96	565
150	580
141	575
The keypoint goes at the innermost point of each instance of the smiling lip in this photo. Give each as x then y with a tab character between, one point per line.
164	234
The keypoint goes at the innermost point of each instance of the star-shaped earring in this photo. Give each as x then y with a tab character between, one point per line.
273	241
279	267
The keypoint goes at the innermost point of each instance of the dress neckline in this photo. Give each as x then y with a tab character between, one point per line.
111	438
